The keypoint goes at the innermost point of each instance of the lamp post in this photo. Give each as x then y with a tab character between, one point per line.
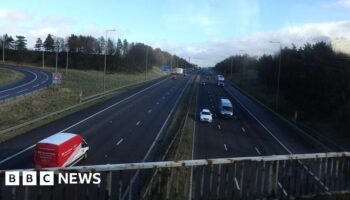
105	63
3	49
43	55
57	46
279	73
67	57
146	72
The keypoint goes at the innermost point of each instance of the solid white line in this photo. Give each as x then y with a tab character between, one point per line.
243	130
120	141
267	130
21	91
91	116
16	154
36	77
257	150
4	96
157	137
237	186
225	147
138	123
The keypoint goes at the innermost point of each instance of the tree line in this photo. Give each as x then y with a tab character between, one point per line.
314	79
87	52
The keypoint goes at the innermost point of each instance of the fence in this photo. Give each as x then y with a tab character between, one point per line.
278	176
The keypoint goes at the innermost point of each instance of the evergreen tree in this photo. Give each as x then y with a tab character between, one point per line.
21	43
38	44
49	43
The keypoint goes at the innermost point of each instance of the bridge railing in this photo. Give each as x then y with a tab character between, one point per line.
277	176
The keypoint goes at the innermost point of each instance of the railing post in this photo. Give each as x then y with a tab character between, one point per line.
273	178
108	186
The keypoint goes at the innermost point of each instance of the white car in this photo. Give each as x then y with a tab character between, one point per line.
206	116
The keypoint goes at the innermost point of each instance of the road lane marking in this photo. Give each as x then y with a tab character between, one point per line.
35	86
42	82
237	186
243	130
138	123
21	91
278	141
219	127
150	110
157	137
225	147
85	119
157	103
120	141
257	150
4	96
35	75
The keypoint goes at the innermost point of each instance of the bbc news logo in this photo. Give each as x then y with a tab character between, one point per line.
48	178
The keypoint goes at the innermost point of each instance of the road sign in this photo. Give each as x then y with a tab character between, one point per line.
56	78
165	68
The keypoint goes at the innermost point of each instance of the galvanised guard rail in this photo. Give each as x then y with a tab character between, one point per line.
276	176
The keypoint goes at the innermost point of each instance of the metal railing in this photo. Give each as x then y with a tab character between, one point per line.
277	176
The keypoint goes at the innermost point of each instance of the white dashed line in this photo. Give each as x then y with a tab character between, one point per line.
219	127
225	147
34	86
157	103
257	150
149	111
120	141
243	130
138	123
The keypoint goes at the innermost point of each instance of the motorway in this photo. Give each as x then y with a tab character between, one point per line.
118	130
33	79
254	131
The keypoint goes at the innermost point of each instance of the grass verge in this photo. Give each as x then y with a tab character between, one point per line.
52	99
8	76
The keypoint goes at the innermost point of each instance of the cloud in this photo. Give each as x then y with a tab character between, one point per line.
13	15
210	52
339	4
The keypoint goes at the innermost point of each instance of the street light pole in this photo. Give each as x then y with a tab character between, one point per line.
67	61
105	63
278	74
57	54
43	58
231	67
3	49
146	73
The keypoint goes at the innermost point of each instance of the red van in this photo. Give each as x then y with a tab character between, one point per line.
60	150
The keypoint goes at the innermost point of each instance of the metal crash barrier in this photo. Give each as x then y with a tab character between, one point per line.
277	176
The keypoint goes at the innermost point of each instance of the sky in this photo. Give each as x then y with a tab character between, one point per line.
207	31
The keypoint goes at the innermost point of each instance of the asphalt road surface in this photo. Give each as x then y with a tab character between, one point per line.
254	131
118	130
33	79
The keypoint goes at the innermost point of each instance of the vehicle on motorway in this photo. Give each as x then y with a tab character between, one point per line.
206	116
225	108
174	77
220	80
60	150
